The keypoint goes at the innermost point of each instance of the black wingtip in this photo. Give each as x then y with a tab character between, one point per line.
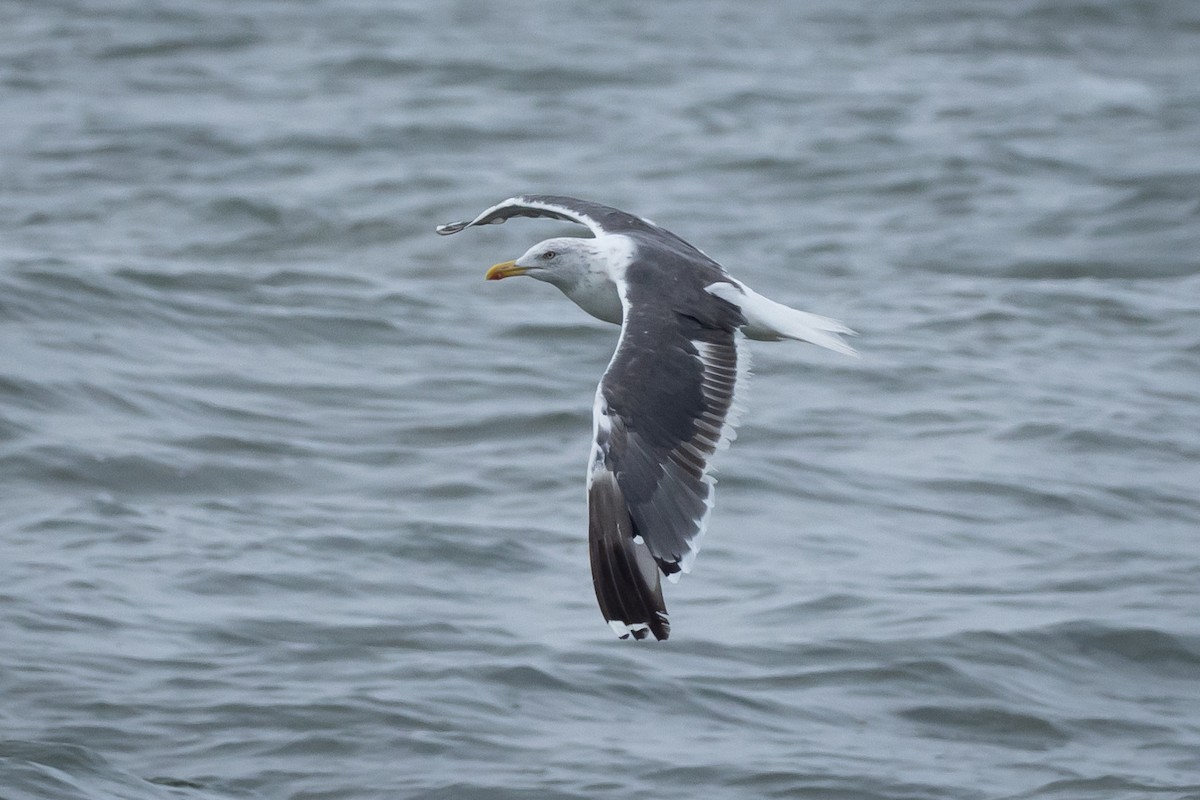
451	227
624	574
455	227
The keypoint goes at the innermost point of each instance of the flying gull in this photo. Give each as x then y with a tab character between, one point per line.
667	401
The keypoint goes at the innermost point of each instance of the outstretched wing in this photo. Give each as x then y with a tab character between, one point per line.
600	218
663	408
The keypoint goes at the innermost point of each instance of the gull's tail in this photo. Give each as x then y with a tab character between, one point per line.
769	321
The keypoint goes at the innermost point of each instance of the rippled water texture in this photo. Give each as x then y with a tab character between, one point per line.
291	501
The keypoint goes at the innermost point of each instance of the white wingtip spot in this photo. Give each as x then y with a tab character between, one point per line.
622	630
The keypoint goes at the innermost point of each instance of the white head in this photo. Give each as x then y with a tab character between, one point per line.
564	262
581	268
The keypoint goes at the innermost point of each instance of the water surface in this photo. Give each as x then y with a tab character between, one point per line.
292	500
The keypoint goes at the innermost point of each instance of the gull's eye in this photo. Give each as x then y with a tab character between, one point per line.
549	254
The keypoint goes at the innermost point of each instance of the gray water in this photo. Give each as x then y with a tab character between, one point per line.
292	501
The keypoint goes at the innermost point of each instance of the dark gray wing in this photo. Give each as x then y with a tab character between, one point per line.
600	218
624	573
663	408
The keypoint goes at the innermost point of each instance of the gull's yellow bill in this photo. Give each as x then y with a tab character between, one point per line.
505	269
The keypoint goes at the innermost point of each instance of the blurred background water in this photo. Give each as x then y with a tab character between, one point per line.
291	501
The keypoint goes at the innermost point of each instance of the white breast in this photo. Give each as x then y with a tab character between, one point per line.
599	298
596	292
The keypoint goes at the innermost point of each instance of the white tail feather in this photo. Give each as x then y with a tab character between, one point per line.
767	320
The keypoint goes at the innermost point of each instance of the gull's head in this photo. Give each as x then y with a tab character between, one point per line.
564	262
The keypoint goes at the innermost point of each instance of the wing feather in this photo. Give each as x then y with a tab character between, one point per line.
663	408
601	219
